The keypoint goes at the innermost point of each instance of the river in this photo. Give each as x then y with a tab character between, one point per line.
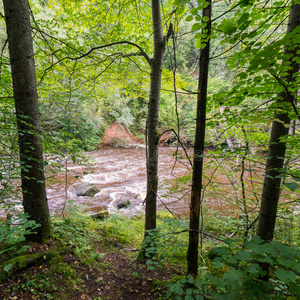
120	174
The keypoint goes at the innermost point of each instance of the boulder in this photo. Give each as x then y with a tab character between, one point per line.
86	189
100	215
122	204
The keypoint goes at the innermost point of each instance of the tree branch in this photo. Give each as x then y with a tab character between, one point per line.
290	96
201	232
169	33
142	53
178	138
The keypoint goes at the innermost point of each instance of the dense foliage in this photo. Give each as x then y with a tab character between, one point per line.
92	68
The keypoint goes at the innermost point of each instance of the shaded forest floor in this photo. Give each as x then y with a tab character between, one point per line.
85	261
98	260
117	277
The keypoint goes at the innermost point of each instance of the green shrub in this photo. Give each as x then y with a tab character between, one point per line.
234	272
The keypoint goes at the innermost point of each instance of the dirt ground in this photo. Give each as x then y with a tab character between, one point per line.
125	280
118	277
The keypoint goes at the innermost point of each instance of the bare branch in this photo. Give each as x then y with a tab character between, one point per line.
142	53
290	96
187	156
200	232
7	97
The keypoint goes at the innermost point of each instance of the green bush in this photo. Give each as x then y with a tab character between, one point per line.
12	235
234	272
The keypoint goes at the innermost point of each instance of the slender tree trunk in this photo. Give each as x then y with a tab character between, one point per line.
192	253
28	120
277	148
152	118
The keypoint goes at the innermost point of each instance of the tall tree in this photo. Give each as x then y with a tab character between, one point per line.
20	44
119	48
280	128
192	254
152	118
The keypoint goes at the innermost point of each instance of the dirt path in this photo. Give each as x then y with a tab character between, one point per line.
123	279
115	276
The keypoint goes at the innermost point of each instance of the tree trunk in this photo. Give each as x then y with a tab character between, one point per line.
152	117
277	148
28	121
192	253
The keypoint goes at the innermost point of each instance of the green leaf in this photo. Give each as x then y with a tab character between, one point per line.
297	266
189	18
279	89
205	4
220	283
218	264
8	267
286	276
244	255
252	34
228	27
291	185
149	263
200	282
22	249
190	279
294	289
243	75
196	26
253	269
198	43
178	290
243	22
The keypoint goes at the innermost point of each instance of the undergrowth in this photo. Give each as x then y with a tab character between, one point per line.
55	270
229	267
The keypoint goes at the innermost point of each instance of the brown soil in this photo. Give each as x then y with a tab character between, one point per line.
119	132
125	279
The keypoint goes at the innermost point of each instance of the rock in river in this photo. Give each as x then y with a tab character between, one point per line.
123	204
86	189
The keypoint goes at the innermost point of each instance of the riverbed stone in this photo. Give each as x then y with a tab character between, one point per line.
100	215
86	189
122	204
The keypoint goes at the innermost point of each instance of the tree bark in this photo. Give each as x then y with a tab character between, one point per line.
27	112
277	148
152	117
192	253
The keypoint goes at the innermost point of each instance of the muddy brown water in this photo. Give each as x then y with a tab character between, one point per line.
120	174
